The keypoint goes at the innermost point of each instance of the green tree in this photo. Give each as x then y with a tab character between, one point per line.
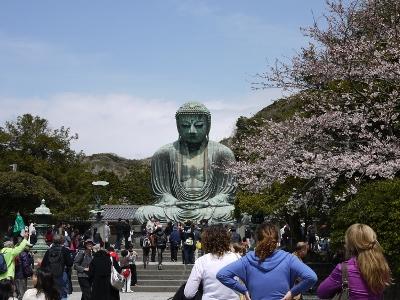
45	153
136	184
23	191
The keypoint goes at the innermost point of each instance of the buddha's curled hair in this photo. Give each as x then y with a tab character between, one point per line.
267	235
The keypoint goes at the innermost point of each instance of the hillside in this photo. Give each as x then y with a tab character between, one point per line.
113	163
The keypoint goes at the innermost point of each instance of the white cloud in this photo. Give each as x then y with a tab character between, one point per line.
129	126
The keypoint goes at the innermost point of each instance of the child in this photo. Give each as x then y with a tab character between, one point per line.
132	263
126	270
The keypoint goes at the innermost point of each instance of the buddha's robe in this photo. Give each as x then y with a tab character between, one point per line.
188	187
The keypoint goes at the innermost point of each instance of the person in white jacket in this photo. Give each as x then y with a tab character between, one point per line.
216	243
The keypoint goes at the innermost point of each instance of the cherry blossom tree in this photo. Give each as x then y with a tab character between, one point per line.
348	78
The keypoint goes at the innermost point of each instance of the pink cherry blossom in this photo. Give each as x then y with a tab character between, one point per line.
349	79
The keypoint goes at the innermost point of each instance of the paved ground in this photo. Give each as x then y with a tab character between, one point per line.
131	296
152	296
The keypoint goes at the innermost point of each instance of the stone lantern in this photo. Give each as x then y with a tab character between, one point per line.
42	217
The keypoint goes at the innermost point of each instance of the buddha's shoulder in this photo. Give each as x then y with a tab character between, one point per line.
166	149
215	147
220	148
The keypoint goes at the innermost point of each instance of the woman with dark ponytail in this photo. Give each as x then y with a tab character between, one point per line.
7	289
268	273
45	287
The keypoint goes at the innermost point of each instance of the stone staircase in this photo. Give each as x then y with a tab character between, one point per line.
150	279
169	279
173	275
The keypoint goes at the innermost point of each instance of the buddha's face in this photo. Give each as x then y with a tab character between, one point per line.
192	128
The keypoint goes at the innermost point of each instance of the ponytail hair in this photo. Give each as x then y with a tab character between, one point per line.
267	235
46	284
6	289
361	242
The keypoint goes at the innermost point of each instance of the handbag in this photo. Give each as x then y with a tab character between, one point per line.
117	280
126	273
189	242
344	293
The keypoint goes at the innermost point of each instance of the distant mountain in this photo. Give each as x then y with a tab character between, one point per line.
279	110
111	162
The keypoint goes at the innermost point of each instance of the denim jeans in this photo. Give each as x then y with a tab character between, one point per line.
188	252
62	283
160	252
22	286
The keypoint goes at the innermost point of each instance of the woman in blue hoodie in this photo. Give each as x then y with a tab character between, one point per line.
268	273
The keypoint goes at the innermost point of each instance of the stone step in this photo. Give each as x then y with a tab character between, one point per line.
166	265
173	275
155	289
152	271
165	258
162	275
160	282
167	250
156	272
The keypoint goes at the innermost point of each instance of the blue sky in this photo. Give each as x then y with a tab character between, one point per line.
115	71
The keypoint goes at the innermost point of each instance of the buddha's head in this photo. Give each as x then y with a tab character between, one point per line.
193	120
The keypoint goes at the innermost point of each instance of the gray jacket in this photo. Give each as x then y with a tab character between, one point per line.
82	260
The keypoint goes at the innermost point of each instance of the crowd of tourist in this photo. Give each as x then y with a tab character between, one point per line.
89	254
180	236
230	271
225	265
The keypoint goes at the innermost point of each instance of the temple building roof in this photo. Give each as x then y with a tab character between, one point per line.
112	213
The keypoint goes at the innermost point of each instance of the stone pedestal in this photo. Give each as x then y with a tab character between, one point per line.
42	216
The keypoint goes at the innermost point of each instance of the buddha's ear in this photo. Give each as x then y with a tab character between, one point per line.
208	121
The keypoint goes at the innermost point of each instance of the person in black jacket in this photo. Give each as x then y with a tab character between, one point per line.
175	242
56	260
188	243
126	231
235	237
161	244
119	228
168	230
100	274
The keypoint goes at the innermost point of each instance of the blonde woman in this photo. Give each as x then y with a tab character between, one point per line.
368	271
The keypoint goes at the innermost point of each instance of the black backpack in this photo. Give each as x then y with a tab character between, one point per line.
3	264
56	261
235	238
161	240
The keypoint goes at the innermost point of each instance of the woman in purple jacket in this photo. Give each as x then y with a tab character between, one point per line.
367	269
